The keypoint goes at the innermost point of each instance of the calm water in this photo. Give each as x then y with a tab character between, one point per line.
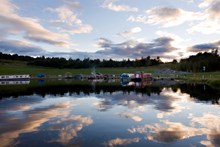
108	114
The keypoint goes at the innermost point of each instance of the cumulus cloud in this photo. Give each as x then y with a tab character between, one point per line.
111	5
69	21
129	33
31	28
211	18
165	16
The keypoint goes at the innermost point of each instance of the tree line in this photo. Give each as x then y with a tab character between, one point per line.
201	62
85	63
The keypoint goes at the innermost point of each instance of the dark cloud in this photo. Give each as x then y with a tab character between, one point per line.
134	49
19	47
205	46
129	49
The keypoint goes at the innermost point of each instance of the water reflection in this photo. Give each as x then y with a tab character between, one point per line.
167	131
14	124
120	141
109	115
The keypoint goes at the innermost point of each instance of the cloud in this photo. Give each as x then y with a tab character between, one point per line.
205	3
133	49
211	18
26	48
206	27
72	4
119	141
20	47
30	28
111	5
131	32
166	16
214	10
69	21
204	47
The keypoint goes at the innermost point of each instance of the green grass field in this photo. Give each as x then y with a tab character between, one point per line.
18	67
12	67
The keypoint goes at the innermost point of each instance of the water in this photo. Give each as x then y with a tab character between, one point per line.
108	114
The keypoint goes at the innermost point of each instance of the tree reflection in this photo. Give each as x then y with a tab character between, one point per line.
196	91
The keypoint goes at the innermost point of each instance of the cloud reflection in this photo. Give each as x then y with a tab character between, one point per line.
68	128
168	131
28	121
212	123
119	141
168	102
131	116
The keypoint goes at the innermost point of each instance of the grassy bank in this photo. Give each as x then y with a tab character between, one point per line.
18	67
210	78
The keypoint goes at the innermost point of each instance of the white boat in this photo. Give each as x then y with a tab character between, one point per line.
14	77
14	82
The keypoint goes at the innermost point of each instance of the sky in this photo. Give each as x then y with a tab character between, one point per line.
104	29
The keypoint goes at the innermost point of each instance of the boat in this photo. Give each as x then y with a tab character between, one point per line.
141	76
14	77
126	77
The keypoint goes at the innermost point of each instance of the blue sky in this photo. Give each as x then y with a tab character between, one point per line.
117	29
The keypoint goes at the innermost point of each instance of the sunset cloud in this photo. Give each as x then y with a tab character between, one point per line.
13	24
69	21
111	5
210	23
165	16
131	32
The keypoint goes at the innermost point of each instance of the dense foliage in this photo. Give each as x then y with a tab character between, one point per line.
202	62
85	63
